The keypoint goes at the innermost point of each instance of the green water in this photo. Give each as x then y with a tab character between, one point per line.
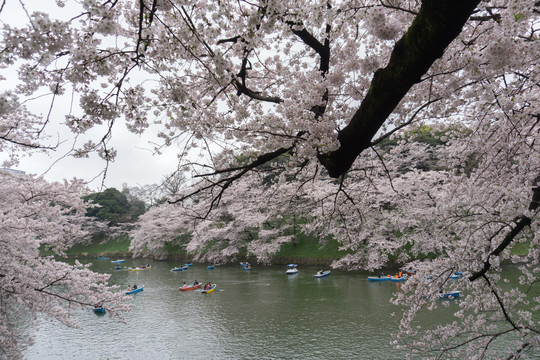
257	314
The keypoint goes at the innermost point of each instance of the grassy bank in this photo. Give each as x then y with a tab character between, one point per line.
305	250
100	246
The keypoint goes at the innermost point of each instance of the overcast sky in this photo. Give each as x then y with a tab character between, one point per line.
135	164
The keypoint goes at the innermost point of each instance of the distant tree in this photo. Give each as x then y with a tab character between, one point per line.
137	206
112	206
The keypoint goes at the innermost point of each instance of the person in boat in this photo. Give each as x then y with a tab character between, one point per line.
134	286
195	283
319	272
207	286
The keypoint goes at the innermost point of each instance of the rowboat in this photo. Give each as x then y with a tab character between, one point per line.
117	261
179	268
135	269
98	310
210	267
449	295
456	275
211	289
189	287
381	278
247	267
103	258
398	278
291	269
135	290
188	264
322	274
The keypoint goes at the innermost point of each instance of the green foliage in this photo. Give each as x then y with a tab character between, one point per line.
422	134
115	206
98	246
309	246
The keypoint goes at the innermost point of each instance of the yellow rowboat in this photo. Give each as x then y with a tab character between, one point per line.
211	289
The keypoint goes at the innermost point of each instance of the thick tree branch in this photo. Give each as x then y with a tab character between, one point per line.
437	24
522	222
225	182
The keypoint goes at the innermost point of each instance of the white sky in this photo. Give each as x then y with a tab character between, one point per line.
135	164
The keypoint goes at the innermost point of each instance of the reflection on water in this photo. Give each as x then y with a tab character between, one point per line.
257	314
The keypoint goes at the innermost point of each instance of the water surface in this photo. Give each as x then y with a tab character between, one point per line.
257	314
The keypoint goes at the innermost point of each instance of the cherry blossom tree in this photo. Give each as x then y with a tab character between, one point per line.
282	107
38	216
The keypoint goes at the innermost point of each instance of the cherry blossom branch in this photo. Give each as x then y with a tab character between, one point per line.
437	24
522	222
500	302
140	39
224	183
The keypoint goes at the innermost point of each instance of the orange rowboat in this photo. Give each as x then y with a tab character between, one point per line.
190	287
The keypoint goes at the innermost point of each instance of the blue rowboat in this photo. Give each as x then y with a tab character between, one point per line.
99	310
291	269
449	295
210	267
117	261
103	258
376	278
398	279
135	290
190	264
180	268
322	274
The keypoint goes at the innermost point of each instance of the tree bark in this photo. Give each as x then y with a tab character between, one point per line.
437	24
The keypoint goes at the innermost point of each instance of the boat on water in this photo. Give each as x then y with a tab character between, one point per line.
247	267
179	268
449	295
135	268
117	267
321	274
379	278
397	278
133	291
190	287
456	275
117	261
209	290
102	258
188	264
98	310
210	267
291	269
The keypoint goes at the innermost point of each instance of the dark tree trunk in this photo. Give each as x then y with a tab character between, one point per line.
437	24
